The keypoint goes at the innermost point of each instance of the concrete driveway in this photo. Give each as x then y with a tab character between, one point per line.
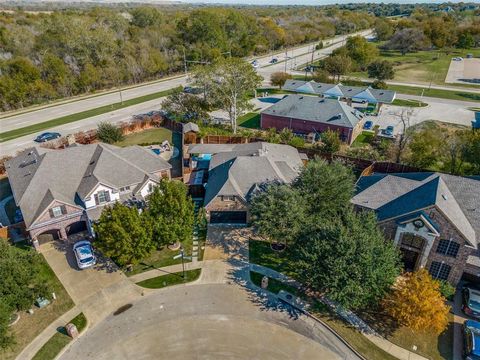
98	291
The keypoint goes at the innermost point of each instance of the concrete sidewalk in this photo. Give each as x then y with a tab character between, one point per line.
31	349
164	271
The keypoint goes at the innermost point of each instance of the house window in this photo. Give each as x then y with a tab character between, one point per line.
57	211
412	241
102	197
228	198
125	189
439	270
448	247
150	187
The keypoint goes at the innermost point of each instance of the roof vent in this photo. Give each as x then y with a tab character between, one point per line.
444	197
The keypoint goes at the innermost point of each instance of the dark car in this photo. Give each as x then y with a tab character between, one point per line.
471	340
471	301
389	130
368	125
274	61
47	136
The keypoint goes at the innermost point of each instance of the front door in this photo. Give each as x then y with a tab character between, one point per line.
409	259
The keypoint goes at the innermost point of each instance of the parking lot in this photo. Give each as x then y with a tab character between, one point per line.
464	71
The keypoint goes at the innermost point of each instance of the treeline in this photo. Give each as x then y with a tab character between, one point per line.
63	53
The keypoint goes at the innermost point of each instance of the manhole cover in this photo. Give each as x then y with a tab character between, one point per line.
122	309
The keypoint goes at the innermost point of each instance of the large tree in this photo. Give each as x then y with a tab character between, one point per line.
328	188
381	70
186	107
235	81
123	234
279	78
348	259
416	302
361	51
278	213
171	211
337	65
407	40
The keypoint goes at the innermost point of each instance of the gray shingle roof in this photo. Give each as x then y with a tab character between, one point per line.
349	92
66	175
312	108
238	171
190	127
394	195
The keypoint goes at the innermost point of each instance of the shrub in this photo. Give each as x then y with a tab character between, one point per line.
297	142
109	133
379	84
447	290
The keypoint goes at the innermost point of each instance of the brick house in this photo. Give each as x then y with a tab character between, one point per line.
311	114
238	171
433	218
61	192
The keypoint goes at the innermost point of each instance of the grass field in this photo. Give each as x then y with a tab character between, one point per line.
13	134
149	136
170	279
422	66
250	120
363	139
58	341
408	103
29	326
436	93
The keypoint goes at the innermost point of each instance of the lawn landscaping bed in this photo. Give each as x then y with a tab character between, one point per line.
29	326
147	137
161	258
170	279
261	253
58	341
250	120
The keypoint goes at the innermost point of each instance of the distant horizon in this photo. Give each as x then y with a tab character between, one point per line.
318	2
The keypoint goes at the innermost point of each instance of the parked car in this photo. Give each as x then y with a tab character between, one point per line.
471	301
388	130
83	251
47	136
469	56
471	340
457	59
254	64
274	60
368	125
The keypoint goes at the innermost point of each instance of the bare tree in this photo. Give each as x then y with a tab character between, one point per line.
405	134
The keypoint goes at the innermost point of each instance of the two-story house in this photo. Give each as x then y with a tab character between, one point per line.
433	218
61	192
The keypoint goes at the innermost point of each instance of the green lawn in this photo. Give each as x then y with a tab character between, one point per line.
261	253
437	93
13	134
58	341
29	326
161	258
149	136
422	66
274	286
363	139
409	103
250	120
170	279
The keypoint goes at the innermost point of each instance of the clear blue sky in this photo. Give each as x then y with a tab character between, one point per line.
315	2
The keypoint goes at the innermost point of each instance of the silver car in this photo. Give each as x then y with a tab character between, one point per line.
84	254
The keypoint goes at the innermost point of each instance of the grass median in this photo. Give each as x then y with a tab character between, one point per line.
57	342
170	279
13	134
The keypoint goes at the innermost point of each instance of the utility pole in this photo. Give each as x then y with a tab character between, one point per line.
185	62
121	97
286	59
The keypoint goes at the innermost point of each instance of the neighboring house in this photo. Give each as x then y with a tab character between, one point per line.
236	172
341	92
60	192
310	114
433	218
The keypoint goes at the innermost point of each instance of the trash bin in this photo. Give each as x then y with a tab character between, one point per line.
72	330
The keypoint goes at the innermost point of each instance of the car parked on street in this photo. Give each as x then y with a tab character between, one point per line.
274	60
255	64
471	301
84	255
368	125
471	340
457	59
47	136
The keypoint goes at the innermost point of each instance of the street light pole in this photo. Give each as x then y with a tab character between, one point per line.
183	263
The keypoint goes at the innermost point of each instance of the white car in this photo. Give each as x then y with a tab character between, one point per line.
255	64
84	254
457	59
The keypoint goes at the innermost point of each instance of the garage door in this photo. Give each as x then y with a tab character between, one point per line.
76	227
48	236
228	217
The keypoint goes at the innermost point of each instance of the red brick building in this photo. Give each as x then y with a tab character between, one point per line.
311	114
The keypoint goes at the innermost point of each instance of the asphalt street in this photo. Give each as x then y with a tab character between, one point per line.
217	321
293	58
